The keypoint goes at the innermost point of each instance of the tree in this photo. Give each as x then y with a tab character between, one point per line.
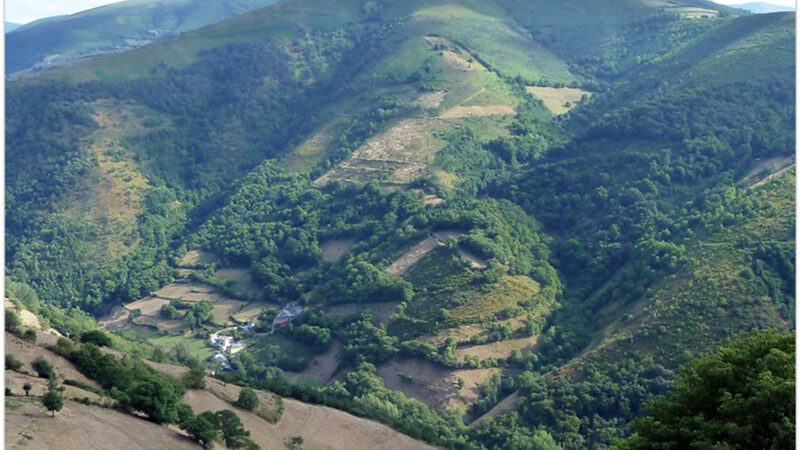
247	399
97	338
233	432
169	312
27	388
195	378
201	430
156	397
42	367
740	397
52	399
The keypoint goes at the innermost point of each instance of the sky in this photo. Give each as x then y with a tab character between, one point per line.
24	11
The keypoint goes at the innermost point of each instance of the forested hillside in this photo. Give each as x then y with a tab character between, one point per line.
485	224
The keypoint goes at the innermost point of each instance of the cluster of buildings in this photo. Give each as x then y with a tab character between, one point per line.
286	315
226	345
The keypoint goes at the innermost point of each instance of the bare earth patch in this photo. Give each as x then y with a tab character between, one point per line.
462	112
499	349
435	385
412	256
430	99
195	258
335	249
555	99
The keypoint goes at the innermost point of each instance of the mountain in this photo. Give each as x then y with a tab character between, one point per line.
55	41
483	224
763	8
11	26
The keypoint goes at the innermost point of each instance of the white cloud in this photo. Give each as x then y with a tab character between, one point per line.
24	11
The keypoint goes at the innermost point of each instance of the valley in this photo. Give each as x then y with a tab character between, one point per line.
481	224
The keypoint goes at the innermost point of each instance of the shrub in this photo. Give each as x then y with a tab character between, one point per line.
247	399
42	367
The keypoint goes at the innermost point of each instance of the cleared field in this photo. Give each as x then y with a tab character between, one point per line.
335	249
196	258
412	256
462	112
181	288
81	427
430	99
399	155
321	368
499	349
508	404
506	293
435	385
556	99
148	306
241	281
464	333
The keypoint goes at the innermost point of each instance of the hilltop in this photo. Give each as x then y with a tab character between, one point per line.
59	40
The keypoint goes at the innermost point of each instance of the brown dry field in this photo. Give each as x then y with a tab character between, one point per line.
15	381
194	258
399	154
321	368
319	426
412	256
335	249
499	349
243	280
82	427
27	352
430	99
435	385
463	333
555	98
148	305
461	112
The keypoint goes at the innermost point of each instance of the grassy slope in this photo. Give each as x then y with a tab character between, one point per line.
714	296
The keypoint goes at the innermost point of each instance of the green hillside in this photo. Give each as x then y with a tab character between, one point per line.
507	223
